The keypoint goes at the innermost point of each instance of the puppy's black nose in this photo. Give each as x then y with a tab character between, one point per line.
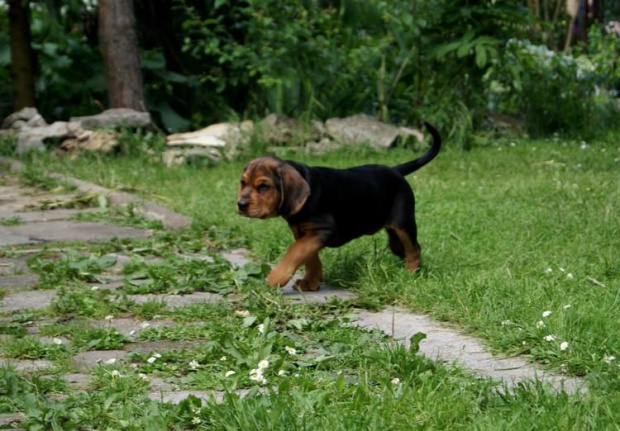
242	204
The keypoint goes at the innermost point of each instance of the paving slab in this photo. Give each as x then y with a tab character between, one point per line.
13	266
27	300
173	301
160	346
35	233
175	397
27	365
19	282
84	361
44	216
129	327
78	381
452	346
11	419
324	295
237	258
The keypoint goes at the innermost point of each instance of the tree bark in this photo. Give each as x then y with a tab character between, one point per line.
21	54
119	44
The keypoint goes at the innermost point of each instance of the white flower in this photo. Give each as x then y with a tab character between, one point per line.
609	359
194	365
143	376
563	345
57	341
540	324
548	271
145	325
229	373
570	276
281	373
546	313
132	332
584	145
562	269
109	317
110	361
506	323
263	365
115	373
223	358
157	355
196	420
151	359
255	374
395	381
567	306
549	338
261	380
290	350
94	288
261	328
296	375
242	313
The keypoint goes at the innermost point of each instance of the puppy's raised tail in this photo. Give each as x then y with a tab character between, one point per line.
414	165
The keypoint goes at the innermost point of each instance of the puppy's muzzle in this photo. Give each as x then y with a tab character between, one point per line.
242	206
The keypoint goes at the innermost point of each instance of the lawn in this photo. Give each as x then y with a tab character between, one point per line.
520	245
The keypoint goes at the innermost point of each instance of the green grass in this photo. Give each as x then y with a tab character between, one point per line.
492	222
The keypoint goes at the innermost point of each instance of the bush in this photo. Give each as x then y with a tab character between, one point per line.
554	92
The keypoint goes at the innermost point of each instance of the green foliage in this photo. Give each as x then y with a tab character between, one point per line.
555	92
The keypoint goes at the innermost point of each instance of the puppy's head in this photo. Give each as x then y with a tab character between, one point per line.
269	188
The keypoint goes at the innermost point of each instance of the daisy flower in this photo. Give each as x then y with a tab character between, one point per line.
263	365
563	345
193	365
546	313
395	381
290	350
229	373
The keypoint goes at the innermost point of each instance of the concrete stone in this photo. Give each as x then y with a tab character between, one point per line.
237	258
44	216
128	326
27	300
84	361
175	397
35	233
451	346
12	266
26	365
174	301
78	381
11	419
15	282
160	346
324	295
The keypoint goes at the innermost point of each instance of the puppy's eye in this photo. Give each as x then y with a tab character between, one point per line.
263	188
242	183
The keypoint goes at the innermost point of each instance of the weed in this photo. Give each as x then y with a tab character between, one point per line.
11	221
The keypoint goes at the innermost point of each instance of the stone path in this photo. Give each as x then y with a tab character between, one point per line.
20	227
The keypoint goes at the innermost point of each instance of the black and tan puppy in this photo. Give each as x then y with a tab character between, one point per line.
327	207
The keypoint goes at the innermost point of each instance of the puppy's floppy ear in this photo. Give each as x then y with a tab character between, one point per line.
294	190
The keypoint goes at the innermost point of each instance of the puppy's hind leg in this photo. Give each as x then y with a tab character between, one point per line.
396	245
408	237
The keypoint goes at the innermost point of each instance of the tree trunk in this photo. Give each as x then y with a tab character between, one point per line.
21	54
119	43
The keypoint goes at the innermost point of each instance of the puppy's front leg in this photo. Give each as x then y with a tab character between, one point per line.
298	253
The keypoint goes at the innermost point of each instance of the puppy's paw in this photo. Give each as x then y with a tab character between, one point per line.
278	277
308	285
